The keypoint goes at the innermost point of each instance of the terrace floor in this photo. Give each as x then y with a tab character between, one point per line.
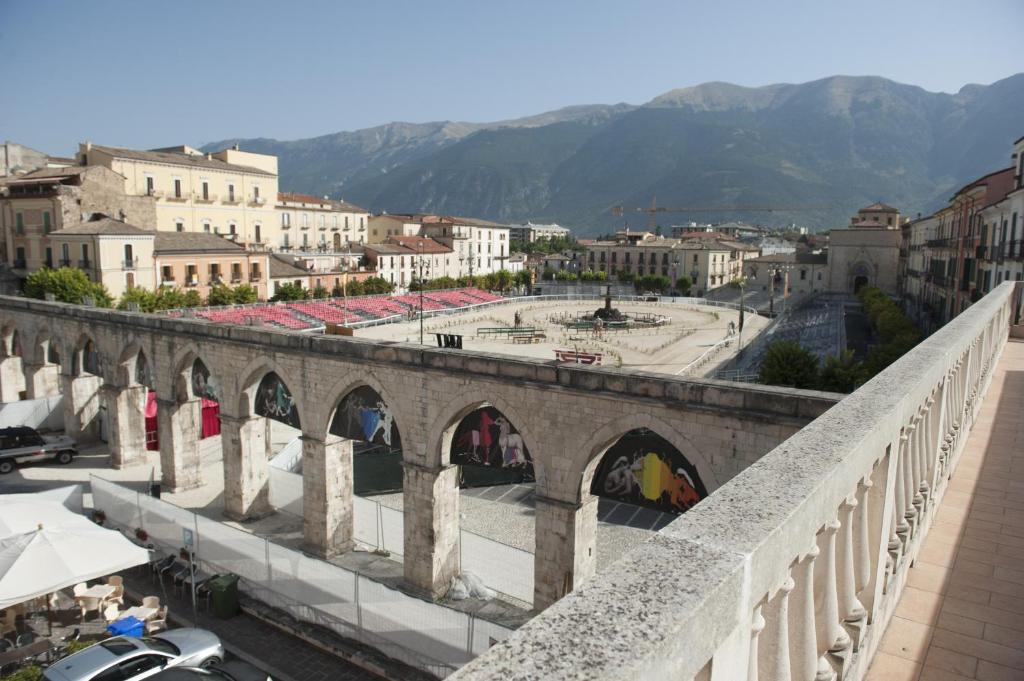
962	614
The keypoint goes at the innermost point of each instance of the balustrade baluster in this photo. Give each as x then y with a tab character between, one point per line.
756	626
914	447
773	655
832	637
862	544
804	642
909	512
851	611
898	526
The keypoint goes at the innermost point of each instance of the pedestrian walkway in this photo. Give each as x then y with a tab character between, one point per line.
961	615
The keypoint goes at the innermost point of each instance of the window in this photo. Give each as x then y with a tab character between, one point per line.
47	226
231	192
206	190
19	256
346	222
149	185
166	273
320	221
179	226
334	221
284	241
85	252
19	223
49	257
206	226
129	280
177	187
256	228
305	240
64	254
128	259
803	275
286	220
231	228
256	192
305	220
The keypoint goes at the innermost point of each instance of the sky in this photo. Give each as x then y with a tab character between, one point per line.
150	74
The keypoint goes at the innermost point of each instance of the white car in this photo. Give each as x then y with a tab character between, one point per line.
126	658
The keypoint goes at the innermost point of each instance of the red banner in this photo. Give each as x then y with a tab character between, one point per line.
578	357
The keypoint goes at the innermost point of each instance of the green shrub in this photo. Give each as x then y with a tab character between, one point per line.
789	364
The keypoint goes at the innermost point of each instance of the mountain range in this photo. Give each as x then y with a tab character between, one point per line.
814	151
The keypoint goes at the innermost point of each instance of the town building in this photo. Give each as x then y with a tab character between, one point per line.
1002	233
478	246
228	192
867	252
404	259
17	159
36	204
308	223
785	274
531	233
122	256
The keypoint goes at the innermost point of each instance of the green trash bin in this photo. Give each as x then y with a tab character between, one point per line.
224	596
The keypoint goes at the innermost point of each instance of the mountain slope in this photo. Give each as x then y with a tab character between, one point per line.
829	146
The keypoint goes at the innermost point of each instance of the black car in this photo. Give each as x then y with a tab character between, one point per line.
21	444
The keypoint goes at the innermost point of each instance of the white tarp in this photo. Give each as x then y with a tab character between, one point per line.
45	547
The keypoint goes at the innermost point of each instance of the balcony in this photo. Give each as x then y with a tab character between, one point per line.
85	264
192	280
894	554
131	264
254	277
64	262
168	281
155	193
236	277
232	199
208	198
20	264
257	200
180	198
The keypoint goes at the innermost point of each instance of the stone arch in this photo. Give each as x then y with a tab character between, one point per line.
11	341
45	348
265	391
611	433
86	358
454	420
342	391
133	367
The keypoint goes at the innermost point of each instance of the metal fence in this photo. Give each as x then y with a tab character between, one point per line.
503	568
418	632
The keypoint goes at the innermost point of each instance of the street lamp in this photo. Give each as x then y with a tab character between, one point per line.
421	262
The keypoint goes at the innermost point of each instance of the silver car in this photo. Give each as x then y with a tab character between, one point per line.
126	658
21	444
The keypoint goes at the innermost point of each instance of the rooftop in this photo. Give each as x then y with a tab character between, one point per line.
879	208
102	226
193	242
281	267
178	158
419	244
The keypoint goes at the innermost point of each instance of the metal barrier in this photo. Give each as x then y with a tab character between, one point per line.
418	632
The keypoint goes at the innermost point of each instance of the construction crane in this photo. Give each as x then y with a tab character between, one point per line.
654	209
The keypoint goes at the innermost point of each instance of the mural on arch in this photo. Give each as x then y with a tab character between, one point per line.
485	439
645	469
274	400
363	415
203	385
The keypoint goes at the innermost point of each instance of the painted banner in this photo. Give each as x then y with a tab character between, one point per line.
644	468
364	416
203	384
274	400
485	438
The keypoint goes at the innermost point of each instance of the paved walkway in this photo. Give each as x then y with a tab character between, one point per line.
962	614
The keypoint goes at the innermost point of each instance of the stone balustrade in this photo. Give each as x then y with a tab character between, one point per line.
792	569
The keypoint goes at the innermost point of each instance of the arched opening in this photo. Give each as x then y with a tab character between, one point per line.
489	450
337	242
364	417
12	376
644	469
859	282
86	360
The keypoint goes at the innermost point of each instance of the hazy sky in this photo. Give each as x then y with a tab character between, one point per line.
147	74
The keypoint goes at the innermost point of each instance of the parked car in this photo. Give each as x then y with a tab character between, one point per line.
235	670
21	444
126	658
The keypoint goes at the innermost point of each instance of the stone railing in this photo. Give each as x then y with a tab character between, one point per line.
791	570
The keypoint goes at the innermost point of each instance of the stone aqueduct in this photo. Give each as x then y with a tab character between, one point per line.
568	416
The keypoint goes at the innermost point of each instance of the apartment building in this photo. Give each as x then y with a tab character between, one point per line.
530	232
404	259
479	246
228	192
123	256
1001	251
34	205
308	223
709	262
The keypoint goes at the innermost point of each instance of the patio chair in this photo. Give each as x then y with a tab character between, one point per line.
80	588
151	602
158	566
26	638
203	588
111	613
117	582
87	603
158	622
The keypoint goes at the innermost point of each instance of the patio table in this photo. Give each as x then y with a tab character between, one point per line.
139	612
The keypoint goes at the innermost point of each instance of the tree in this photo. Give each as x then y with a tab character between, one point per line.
683	285
289	292
653	282
377	285
786	363
503	280
245	294
353	288
192	299
145	299
625	277
220	294
524	279
68	285
320	292
841	374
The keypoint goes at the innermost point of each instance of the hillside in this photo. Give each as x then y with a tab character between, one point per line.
829	146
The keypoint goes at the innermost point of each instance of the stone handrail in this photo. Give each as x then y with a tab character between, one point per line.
793	568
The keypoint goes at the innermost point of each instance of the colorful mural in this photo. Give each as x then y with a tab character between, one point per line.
203	385
274	400
644	468
485	438
364	416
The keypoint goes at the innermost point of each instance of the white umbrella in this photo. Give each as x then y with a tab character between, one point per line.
61	550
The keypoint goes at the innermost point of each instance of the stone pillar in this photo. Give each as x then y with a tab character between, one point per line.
246	487
42	380
126	411
81	406
12	379
564	556
327	521
431	500
179	427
